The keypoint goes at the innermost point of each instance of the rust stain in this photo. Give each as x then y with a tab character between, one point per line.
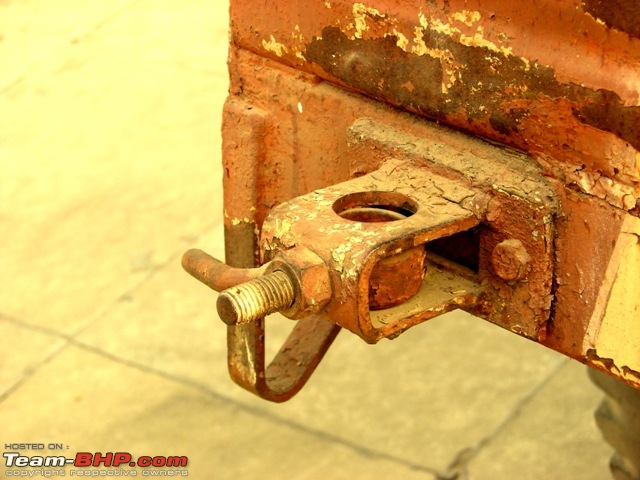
623	15
360	15
609	365
337	147
396	279
526	98
467	65
367	230
587	232
361	64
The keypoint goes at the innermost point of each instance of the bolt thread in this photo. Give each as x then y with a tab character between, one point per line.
256	298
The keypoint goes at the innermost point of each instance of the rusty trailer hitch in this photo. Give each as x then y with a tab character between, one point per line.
379	254
356	182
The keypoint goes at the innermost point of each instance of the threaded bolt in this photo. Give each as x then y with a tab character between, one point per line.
256	298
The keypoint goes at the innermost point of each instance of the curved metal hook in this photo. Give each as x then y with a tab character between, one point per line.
299	355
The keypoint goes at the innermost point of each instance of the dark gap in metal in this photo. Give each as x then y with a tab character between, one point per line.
462	248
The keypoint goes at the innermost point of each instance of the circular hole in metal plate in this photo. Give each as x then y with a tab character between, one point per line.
375	206
394	279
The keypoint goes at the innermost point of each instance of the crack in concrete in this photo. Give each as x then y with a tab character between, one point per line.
70	338
258	412
30	370
459	467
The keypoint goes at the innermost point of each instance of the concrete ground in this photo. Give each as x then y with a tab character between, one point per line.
110	169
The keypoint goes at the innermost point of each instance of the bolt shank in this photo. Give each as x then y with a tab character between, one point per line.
216	274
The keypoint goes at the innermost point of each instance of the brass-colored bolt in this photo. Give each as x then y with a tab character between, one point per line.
256	298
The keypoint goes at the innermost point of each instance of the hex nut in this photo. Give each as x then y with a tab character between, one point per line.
310	277
510	260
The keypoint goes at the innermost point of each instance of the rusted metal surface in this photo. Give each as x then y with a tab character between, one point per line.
290	369
559	80
543	241
246	294
303	349
396	279
215	274
310	277
321	136
620	15
296	283
517	203
425	206
359	255
510	260
352	249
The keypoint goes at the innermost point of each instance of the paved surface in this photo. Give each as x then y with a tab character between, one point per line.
110	169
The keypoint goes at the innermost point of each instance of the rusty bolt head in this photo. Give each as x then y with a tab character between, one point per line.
310	277
510	260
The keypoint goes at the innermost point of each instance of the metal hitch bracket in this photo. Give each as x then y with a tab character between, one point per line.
373	255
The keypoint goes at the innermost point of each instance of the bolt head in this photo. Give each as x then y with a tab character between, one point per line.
510	260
